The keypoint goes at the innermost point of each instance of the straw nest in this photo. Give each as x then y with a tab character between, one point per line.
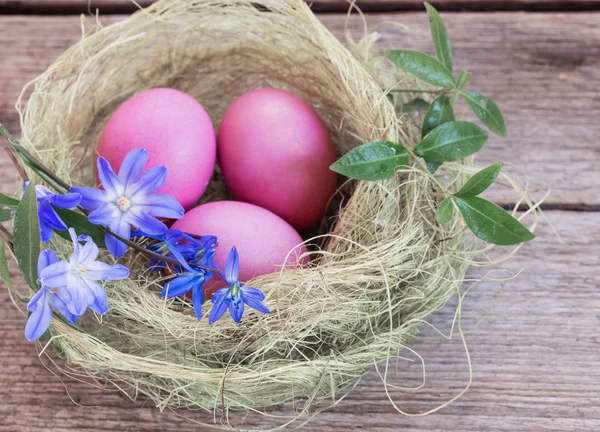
379	268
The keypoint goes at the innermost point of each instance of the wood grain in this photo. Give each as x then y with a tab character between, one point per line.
535	361
63	7
540	68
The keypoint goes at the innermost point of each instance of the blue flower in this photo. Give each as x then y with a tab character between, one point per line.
49	220
165	241
80	275
236	294
189	279
46	299
204	251
128	199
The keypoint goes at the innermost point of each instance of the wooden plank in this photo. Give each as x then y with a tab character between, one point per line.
536	361
128	6
540	68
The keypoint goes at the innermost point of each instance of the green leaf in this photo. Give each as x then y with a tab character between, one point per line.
432	167
415	105
444	211
376	160
5	214
480	181
423	66
487	111
451	141
82	226
439	112
491	222
7	201
27	236
439	35
463	77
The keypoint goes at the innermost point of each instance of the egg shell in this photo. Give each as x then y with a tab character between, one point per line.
176	131
274	151
263	239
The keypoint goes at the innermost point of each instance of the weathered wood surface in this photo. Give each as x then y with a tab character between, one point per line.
535	360
127	6
540	68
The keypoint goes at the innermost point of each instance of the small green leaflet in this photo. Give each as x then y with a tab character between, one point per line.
491	222
487	111
451	141
423	66
82	226
376	160
414	105
8	201
439	35
463	77
480	181
5	214
27	236
440	111
444	211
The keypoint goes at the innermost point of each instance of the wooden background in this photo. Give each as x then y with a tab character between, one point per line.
536	357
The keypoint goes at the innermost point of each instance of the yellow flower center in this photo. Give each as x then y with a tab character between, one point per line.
124	204
82	271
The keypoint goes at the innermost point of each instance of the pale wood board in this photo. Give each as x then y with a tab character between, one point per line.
540	68
535	360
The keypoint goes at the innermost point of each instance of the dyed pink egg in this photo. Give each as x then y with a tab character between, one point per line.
274	151
262	238
176	131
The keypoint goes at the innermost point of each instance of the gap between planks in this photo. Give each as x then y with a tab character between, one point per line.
71	7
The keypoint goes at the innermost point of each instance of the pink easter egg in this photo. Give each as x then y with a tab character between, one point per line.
265	242
274	151
176	131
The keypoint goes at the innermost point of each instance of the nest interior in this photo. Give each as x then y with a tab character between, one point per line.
382	269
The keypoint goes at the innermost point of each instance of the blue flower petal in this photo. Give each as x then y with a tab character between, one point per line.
198	300
39	295
97	299
91	198
105	214
232	267
251	292
99	270
55	275
80	298
109	180
88	252
179	286
132	166
66	201
139	218
59	302
116	247
149	182
46	231
254	304
236	308
46	258
161	205
39	320
48	215
220	305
